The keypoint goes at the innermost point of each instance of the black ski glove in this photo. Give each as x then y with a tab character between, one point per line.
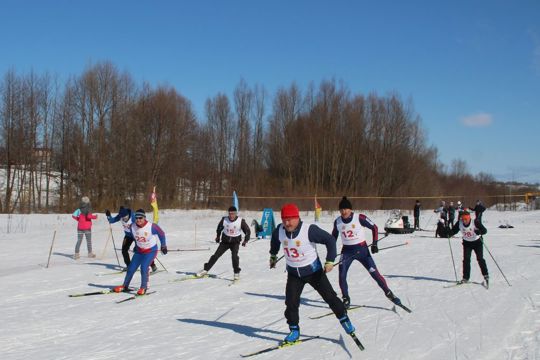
374	248
244	243
217	238
164	250
107	213
273	261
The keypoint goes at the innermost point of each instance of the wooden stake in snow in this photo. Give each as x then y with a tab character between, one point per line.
50	250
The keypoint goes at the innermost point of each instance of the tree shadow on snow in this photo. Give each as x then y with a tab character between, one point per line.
529	246
419	278
303	301
249	331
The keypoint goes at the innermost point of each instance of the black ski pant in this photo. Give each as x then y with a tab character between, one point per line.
478	248
417	222
319	281
223	246
451	222
126	244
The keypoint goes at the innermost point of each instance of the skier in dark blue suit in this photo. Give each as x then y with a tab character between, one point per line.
350	227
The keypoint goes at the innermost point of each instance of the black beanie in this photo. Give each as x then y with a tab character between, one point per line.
345	203
140	212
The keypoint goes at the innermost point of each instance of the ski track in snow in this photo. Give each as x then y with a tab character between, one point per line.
207	319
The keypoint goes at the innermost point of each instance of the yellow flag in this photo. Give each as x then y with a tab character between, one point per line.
318	210
153	203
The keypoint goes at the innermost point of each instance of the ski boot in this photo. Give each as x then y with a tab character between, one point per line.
236	276
154	267
293	336
120	288
486	279
201	273
91	255
390	295
76	256
347	325
346	302
141	291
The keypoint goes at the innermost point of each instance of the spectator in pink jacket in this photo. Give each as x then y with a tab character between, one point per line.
84	218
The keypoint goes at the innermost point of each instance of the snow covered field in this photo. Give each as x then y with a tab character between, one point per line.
208	319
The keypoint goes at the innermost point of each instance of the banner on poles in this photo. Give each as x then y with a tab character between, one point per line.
268	223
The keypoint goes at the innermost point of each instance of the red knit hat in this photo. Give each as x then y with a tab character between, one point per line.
289	211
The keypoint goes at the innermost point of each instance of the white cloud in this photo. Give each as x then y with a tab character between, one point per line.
477	120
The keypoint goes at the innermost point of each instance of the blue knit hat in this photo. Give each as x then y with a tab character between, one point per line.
123	212
140	212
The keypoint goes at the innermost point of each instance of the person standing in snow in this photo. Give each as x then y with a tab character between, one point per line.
146	235
126	217
416	212
472	241
229	236
83	215
451	214
350	227
304	267
442	224
478	209
459	209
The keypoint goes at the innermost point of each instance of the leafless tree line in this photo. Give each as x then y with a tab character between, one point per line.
101	135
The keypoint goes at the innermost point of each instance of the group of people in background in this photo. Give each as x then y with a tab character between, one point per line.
447	215
472	231
298	241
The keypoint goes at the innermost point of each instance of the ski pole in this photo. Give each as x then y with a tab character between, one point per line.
384	236
163	266
105	247
50	250
489	252
200	249
429	220
114	246
393	246
452	255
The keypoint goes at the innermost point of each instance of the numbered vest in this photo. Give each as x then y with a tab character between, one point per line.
351	233
126	225
299	251
143	236
232	228
468	232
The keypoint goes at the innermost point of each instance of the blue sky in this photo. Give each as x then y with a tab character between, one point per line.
471	68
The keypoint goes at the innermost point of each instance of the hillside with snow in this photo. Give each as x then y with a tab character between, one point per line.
208	319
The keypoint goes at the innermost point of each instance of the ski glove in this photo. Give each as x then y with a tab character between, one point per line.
273	261
244	243
164	250
217	238
374	249
107	213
